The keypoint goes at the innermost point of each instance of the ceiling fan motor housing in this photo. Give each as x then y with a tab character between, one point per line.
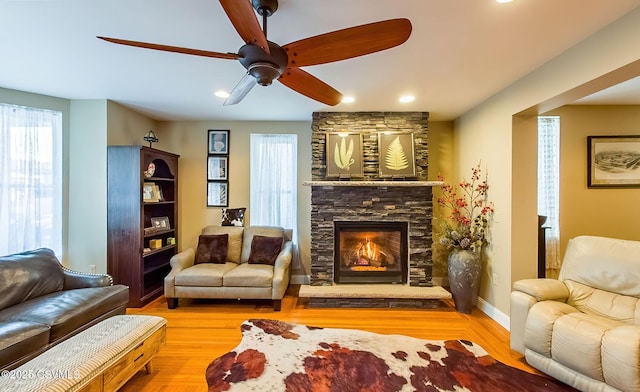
265	7
263	66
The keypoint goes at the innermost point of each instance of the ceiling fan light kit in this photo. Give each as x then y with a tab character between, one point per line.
266	61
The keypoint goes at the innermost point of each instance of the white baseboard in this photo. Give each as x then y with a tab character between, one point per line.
494	313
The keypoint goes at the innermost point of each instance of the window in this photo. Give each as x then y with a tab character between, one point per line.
274	181
30	179
549	184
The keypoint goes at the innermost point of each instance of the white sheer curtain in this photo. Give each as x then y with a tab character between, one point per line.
549	185
274	181
30	179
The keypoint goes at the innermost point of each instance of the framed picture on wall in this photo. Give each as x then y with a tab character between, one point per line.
219	142
344	155
396	154
217	194
613	161
217	168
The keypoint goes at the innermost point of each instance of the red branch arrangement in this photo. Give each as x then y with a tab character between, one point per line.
466	226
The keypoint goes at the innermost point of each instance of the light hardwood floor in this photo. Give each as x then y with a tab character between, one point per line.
198	331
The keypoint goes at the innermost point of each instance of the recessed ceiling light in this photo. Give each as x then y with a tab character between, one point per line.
504	1
221	94
347	99
407	98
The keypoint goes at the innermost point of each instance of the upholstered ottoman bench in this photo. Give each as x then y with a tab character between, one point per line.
101	358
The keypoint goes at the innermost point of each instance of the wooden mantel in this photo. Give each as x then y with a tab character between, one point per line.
374	183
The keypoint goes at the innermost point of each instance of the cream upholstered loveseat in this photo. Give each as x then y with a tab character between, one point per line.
584	328
233	278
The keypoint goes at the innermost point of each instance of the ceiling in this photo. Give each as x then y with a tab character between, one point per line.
460	53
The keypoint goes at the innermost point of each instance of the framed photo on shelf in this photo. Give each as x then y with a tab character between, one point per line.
217	194
219	142
344	155
157	191
396	154
217	168
150	192
160	223
613	161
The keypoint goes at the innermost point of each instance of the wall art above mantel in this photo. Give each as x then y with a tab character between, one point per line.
409	128
344	155
396	158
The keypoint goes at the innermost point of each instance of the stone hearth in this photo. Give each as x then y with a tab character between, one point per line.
373	296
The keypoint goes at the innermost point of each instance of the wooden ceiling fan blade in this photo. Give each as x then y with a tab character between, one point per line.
348	43
244	20
241	89
175	49
310	86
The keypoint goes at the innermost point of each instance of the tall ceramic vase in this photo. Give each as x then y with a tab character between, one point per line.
464	278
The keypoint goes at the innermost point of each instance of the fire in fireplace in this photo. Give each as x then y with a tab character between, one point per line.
370	252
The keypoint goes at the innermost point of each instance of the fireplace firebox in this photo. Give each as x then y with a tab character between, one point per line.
370	252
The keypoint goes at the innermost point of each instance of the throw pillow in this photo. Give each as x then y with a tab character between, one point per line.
265	250
212	249
233	216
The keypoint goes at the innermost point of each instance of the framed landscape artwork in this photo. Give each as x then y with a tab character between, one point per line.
344	155
613	161
396	154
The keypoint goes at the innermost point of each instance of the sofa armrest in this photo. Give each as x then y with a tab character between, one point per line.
282	271
543	289
525	294
79	280
284	258
178	262
182	260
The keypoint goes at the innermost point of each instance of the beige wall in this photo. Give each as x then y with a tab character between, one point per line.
610	212
126	127
87	186
487	132
95	124
189	140
440	163
485	136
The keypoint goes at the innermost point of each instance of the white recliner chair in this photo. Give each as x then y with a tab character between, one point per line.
584	328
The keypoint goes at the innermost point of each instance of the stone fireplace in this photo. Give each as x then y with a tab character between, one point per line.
404	203
389	217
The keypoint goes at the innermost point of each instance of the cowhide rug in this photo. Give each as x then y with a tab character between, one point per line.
278	356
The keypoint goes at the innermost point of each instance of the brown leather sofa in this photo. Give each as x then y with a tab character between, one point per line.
42	303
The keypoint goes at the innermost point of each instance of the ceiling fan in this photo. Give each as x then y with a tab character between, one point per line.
266	60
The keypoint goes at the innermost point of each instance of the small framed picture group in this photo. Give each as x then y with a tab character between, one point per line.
218	168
